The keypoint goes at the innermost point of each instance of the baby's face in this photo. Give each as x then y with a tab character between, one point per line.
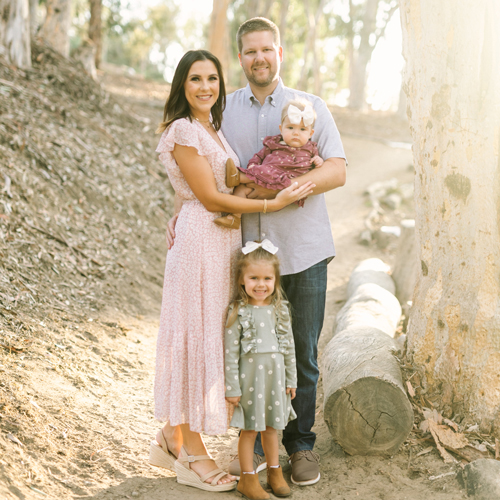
295	135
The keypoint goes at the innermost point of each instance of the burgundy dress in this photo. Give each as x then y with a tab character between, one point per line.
276	164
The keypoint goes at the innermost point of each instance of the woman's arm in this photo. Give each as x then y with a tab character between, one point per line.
200	178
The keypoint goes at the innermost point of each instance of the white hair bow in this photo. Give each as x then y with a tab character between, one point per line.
295	115
250	246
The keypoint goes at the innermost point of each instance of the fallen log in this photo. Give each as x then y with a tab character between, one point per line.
370	271
366	407
370	305
481	479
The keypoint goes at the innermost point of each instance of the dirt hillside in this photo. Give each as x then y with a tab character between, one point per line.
83	208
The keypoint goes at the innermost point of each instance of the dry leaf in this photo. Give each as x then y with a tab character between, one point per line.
14	439
424	452
411	391
446	456
449	438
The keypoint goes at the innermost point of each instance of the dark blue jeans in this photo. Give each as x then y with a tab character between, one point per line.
306	292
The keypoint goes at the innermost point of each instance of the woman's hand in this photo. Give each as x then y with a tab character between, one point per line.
170	236
291	390
290	194
235	400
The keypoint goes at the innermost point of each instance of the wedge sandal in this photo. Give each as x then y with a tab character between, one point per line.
187	476
157	454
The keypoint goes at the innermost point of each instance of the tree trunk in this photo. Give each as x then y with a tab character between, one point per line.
310	43
405	268
33	17
15	42
284	6
55	28
218	42
452	74
358	64
95	29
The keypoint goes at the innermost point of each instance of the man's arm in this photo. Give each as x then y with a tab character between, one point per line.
331	175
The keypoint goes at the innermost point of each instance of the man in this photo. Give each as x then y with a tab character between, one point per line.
303	235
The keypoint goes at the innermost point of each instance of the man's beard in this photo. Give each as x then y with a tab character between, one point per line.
262	83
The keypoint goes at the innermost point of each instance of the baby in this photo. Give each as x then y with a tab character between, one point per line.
283	157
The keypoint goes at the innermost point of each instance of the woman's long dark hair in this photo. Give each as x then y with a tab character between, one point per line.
177	105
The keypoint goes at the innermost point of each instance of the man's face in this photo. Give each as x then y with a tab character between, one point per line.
260	58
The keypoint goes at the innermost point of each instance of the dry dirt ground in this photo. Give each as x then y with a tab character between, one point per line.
77	330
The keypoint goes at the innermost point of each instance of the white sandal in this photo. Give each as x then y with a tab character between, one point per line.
157	454
187	476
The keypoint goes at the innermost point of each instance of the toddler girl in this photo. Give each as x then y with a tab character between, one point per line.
261	375
283	157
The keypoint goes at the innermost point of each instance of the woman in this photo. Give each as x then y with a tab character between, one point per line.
189	383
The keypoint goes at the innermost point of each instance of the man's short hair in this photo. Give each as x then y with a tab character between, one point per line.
257	24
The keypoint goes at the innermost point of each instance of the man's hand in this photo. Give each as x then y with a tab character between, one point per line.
170	236
290	390
261	193
317	161
235	400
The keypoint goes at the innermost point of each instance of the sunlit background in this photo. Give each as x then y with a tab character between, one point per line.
150	36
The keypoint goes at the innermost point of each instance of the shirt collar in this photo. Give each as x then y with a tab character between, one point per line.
272	98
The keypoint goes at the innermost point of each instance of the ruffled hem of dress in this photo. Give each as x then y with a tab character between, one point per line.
238	419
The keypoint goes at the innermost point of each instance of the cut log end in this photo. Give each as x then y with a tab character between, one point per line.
369	417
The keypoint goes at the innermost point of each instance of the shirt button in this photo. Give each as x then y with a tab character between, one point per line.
262	116
262	138
263	235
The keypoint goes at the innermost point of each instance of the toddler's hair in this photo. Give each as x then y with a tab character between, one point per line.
257	255
300	103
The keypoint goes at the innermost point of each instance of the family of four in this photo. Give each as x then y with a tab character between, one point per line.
252	365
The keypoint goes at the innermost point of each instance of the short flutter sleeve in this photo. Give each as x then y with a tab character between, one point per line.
186	133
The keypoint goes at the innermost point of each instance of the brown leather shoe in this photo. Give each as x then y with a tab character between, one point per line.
277	483
305	467
230	221
232	174
249	487
259	463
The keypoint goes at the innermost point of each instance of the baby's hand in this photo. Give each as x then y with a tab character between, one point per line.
317	161
290	390
234	400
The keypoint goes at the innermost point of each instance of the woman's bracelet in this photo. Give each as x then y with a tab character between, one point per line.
265	207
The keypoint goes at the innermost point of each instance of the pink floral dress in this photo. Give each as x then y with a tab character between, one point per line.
199	275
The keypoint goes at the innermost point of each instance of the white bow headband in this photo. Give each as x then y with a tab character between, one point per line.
250	246
295	115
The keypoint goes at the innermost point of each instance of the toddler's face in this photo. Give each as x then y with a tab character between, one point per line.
295	136
259	280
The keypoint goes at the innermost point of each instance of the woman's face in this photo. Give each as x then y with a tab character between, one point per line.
202	88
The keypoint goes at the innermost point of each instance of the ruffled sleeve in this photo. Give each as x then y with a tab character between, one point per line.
184	133
249	332
232	337
286	344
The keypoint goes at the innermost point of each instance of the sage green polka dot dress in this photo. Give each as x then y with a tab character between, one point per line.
259	366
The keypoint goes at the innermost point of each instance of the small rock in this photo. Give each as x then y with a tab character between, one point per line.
393	201
365	237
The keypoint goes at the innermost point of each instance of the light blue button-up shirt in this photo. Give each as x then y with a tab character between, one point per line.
303	235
